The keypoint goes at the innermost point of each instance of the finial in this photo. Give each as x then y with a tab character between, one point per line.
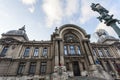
23	28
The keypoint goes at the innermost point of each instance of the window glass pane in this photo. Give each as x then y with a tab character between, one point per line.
26	53
21	68
32	68
36	51
100	52
45	52
3	53
72	49
43	67
65	50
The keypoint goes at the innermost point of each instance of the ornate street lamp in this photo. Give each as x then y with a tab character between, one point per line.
109	21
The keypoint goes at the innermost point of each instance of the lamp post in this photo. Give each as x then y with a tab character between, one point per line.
109	21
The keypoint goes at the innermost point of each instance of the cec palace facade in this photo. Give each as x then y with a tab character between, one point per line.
68	55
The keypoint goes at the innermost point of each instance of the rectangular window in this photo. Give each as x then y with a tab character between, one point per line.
78	51
100	52
72	50
3	53
32	68
107	52
36	52
26	53
21	68
43	67
45	50
65	50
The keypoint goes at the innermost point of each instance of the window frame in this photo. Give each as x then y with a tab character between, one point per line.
4	51
36	52
45	51
26	52
43	68
32	68
21	68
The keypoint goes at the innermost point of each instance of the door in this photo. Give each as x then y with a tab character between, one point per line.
76	69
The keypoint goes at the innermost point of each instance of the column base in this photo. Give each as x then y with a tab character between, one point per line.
97	71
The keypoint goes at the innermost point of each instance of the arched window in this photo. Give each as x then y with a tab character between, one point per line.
71	44
70	38
36	51
72	49
26	53
45	50
3	53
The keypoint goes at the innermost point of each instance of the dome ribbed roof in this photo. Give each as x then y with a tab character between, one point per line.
19	32
15	32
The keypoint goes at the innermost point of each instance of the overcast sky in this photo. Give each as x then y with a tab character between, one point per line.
42	16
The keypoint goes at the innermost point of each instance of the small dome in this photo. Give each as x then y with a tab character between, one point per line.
15	32
19	32
103	36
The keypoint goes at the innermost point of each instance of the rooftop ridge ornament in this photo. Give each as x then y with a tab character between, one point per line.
22	28
109	21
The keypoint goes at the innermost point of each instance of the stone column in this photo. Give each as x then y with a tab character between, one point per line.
31	53
104	65
40	52
56	54
90	59
37	72
62	53
48	52
80	67
91	52
113	69
26	71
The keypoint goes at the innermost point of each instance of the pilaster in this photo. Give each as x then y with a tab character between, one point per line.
26	68
37	72
90	59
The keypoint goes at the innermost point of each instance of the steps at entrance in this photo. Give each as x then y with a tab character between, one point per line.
85	78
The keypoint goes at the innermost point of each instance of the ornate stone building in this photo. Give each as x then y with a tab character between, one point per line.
69	55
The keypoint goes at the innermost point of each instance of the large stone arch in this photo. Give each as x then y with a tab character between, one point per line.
71	28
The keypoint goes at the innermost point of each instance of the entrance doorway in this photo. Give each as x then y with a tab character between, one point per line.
76	69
